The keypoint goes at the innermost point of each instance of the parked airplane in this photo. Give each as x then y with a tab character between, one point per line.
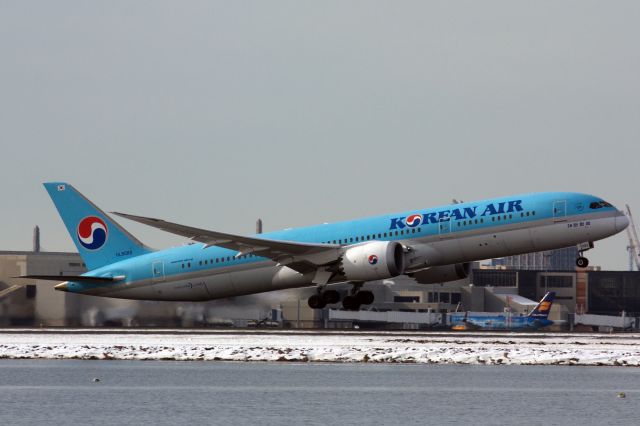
432	245
537	318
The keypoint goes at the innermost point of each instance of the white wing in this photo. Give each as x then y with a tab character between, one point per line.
303	257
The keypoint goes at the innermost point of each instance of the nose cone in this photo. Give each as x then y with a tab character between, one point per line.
62	286
621	223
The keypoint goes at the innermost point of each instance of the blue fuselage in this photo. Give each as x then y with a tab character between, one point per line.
438	236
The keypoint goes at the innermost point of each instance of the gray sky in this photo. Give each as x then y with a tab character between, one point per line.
214	113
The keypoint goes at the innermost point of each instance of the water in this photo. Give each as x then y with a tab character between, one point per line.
173	393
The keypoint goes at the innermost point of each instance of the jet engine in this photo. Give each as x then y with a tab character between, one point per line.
373	261
441	274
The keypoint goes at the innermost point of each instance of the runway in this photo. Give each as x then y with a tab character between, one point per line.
323	346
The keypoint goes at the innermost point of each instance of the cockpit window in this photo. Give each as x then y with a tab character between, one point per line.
599	204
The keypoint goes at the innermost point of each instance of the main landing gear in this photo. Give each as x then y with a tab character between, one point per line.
323	298
357	297
352	302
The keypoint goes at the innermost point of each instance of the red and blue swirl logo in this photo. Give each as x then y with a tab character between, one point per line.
414	220
92	232
373	259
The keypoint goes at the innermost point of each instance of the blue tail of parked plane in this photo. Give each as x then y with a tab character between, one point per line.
100	240
542	309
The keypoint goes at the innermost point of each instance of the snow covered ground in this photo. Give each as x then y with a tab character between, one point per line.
348	346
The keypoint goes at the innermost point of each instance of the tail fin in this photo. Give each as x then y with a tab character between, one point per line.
100	240
542	309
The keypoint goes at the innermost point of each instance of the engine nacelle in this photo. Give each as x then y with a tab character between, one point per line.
376	260
441	274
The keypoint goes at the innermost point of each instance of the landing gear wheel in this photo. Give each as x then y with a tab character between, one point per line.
365	297
330	297
582	262
351	303
316	302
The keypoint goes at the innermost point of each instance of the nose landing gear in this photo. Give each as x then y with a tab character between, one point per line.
583	262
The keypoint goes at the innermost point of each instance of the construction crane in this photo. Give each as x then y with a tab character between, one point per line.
634	245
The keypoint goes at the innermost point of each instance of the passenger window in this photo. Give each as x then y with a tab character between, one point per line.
379	236
413	231
385	235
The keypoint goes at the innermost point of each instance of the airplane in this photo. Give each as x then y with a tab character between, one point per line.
536	319
431	245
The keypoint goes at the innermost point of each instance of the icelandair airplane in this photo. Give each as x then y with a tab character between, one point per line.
432	246
536	319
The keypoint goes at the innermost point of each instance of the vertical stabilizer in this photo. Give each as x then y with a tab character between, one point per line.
542	309
99	239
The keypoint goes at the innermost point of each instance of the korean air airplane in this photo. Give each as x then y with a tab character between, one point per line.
536	319
431	245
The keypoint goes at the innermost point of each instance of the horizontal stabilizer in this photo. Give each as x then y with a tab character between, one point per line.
10	290
75	278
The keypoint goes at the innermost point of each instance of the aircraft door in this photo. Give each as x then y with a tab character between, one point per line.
444	227
157	271
560	211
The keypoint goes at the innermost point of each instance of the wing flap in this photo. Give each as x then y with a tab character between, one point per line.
10	290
